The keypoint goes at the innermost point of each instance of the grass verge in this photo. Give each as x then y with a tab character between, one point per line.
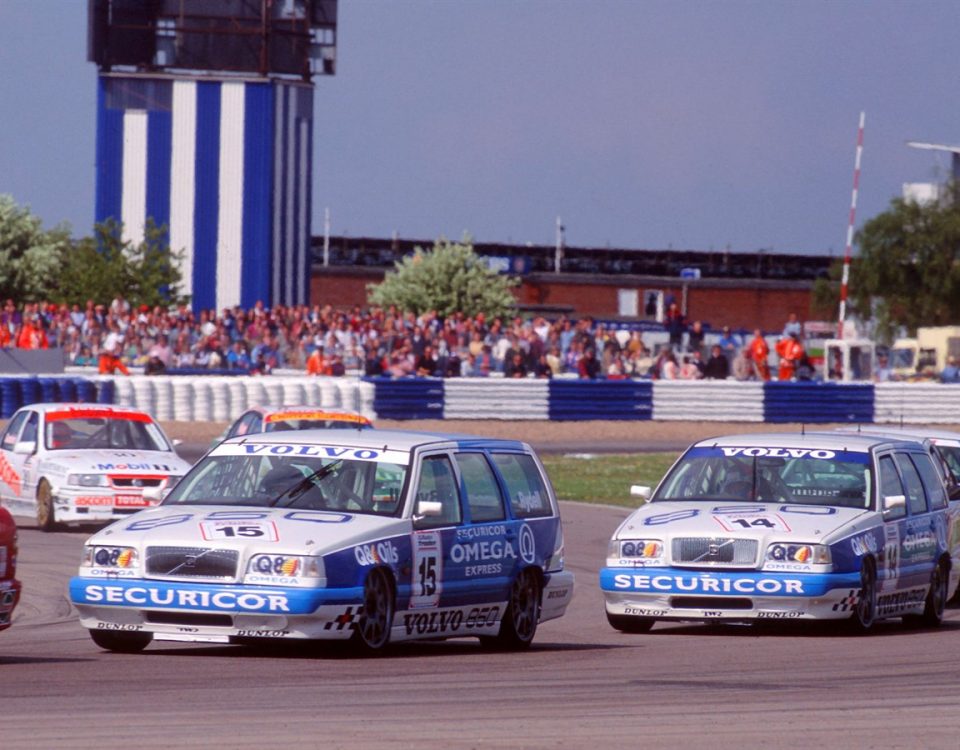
604	477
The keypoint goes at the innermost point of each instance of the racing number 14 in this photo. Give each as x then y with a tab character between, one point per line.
746	524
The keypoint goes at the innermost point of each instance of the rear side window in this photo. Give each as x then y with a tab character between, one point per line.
528	494
931	481
483	492
916	497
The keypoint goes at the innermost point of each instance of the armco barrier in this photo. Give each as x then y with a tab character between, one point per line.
408	398
818	402
219	398
707	400
923	403
496	398
601	399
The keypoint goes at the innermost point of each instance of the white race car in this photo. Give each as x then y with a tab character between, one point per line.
84	463
374	536
787	526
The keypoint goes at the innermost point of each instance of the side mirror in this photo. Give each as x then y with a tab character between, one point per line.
428	509
641	490
894	506
153	495
26	448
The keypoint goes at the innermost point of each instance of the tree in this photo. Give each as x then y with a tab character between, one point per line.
449	278
908	270
104	266
30	257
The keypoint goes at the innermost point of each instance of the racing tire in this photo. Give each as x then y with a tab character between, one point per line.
124	642
935	602
630	624
372	632
865	611
519	623
46	520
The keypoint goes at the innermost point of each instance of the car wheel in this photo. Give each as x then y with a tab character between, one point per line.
865	612
519	623
630	624
124	642
45	513
936	600
372	633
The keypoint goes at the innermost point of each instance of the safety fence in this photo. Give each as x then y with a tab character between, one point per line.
222	398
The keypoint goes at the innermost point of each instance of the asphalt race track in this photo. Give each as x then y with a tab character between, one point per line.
581	684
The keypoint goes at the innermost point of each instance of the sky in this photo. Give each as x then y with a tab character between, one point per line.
641	124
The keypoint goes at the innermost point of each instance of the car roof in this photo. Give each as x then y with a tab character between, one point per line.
862	443
905	432
101	410
316	412
402	440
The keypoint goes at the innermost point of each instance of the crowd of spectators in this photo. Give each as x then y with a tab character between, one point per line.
322	340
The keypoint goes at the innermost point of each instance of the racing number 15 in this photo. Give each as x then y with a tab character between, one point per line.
428	575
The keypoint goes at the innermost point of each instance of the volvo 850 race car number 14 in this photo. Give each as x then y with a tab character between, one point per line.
333	534
84	463
800	526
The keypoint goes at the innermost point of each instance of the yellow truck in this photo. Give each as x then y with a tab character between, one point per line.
924	356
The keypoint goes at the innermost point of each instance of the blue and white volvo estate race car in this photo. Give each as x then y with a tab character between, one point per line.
375	536
787	526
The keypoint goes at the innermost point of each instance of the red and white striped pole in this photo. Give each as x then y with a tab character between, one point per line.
853	212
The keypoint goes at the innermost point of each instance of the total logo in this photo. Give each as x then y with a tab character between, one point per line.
376	554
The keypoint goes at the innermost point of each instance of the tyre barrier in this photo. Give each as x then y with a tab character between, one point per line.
204	398
46	389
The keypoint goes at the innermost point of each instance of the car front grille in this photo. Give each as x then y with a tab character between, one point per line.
136	481
712	552
192	562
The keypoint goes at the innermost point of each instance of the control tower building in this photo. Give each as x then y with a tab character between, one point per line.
205	126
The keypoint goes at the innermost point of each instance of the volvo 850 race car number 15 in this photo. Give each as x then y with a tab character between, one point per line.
798	526
84	463
333	534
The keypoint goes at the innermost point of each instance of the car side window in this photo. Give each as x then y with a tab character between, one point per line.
483	492
528	494
242	427
438	484
890	483
916	497
30	430
931	481
13	430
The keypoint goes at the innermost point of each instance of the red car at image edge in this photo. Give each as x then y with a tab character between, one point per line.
9	585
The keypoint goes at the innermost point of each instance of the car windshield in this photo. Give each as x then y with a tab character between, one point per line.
799	476
951	457
125	432
352	485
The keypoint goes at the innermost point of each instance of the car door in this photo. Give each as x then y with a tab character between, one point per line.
11	463
918	544
21	469
435	580
485	551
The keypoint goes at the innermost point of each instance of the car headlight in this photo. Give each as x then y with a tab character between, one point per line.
110	557
806	554
172	480
88	480
285	566
641	550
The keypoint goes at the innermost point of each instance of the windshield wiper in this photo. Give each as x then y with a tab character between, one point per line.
302	485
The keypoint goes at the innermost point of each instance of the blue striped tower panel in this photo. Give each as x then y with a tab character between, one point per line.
225	165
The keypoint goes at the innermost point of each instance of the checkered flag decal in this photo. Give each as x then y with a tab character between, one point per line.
848	602
346	620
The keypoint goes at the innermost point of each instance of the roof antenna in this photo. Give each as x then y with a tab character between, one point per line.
803	428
